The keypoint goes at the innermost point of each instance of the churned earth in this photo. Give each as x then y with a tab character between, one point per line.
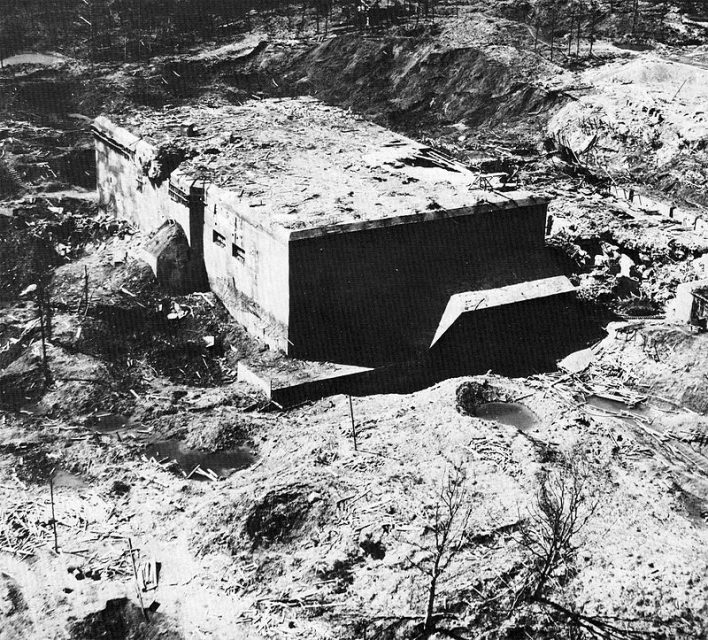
188	506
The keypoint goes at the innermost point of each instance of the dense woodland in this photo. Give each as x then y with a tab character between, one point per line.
137	29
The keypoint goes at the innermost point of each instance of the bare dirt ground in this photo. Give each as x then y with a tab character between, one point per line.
246	521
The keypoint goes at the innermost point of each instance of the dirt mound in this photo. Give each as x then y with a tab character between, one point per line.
77	382
643	121
123	620
218	432
471	394
267	517
408	82
111	277
278	515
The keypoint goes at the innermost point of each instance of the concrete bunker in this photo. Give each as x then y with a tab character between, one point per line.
334	239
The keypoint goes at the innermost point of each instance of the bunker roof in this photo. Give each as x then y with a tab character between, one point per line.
298	163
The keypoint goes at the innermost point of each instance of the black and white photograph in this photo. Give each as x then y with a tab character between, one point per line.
353	319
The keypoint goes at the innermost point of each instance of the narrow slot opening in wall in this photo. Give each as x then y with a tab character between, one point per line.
218	239
238	252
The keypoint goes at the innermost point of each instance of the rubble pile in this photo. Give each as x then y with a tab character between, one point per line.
623	253
661	359
642	120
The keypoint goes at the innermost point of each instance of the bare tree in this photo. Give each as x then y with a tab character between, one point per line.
44	310
551	534
635	16
449	528
545	16
580	16
594	11
560	510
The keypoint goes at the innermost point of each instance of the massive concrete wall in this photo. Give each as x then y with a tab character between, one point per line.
122	188
127	193
372	296
516	339
245	261
247	265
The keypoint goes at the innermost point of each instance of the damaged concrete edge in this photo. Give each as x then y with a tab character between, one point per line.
137	149
470	301
510	200
285	392
228	201
119	139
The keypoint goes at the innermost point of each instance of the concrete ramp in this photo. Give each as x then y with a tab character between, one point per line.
470	301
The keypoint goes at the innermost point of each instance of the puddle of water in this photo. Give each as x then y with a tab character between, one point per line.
222	463
35	409
66	479
33	58
110	422
617	406
511	413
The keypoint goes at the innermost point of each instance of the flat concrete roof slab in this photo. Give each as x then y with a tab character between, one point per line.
300	164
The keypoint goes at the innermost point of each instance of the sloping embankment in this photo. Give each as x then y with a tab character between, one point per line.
414	83
643	121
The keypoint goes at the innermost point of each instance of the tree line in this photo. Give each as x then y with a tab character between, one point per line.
137	29
579	22
131	29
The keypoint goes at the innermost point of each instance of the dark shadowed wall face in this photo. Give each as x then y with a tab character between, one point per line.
376	296
518	339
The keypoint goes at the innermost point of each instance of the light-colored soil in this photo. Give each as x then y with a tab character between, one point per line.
338	550
317	538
